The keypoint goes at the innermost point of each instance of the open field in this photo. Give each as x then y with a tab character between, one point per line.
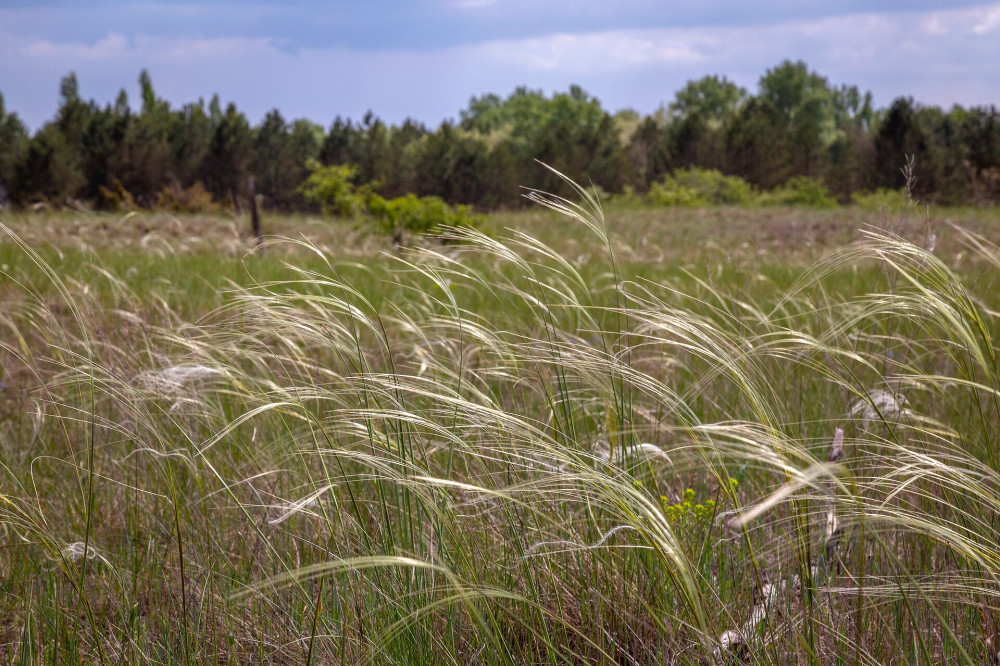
685	436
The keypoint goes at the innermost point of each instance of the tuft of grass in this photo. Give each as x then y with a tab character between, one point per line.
529	446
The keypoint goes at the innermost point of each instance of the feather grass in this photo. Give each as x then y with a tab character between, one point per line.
486	460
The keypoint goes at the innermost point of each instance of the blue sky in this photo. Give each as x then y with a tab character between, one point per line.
425	58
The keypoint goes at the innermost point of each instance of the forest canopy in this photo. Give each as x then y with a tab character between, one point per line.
796	125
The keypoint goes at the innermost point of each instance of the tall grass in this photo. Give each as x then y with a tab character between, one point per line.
495	457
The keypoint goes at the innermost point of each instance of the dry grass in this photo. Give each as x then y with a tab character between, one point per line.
482	452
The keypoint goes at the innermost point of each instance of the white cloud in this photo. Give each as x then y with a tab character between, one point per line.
472	4
989	22
911	43
940	57
166	50
196	51
112	46
601	51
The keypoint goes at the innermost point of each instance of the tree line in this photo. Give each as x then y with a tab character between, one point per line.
797	125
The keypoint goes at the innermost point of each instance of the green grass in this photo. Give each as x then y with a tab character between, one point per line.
582	438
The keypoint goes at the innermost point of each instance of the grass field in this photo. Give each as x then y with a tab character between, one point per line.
645	437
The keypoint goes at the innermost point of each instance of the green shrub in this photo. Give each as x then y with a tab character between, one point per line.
330	188
628	198
670	193
801	191
419	215
701	187
881	200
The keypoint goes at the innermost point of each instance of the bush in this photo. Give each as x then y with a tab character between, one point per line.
801	191
117	197
701	187
670	193
419	215
195	199
628	198
881	200
330	188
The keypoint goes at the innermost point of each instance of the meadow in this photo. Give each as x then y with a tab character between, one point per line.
630	435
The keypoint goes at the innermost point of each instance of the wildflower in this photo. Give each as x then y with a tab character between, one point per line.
687	512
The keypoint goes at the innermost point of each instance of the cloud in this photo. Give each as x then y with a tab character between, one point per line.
112	46
989	23
473	4
196	51
847	48
939	57
146	48
421	25
601	51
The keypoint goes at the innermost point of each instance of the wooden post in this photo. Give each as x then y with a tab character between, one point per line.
255	217
236	201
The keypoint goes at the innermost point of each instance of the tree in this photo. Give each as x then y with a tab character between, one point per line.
648	154
489	112
373	158
852	109
103	138
13	145
757	144
980	135
340	144
849	162
148	162
304	141
405	145
944	178
280	154
980	132
899	137
50	170
812	131
452	165
695	143
191	132
366	146
797	125
501	172
790	85
712	98
271	157
227	164
73	114
151	104
331	188
806	102
570	132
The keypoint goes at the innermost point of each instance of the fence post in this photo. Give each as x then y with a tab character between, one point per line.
255	217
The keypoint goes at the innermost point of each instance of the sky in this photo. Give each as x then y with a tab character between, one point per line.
425	59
